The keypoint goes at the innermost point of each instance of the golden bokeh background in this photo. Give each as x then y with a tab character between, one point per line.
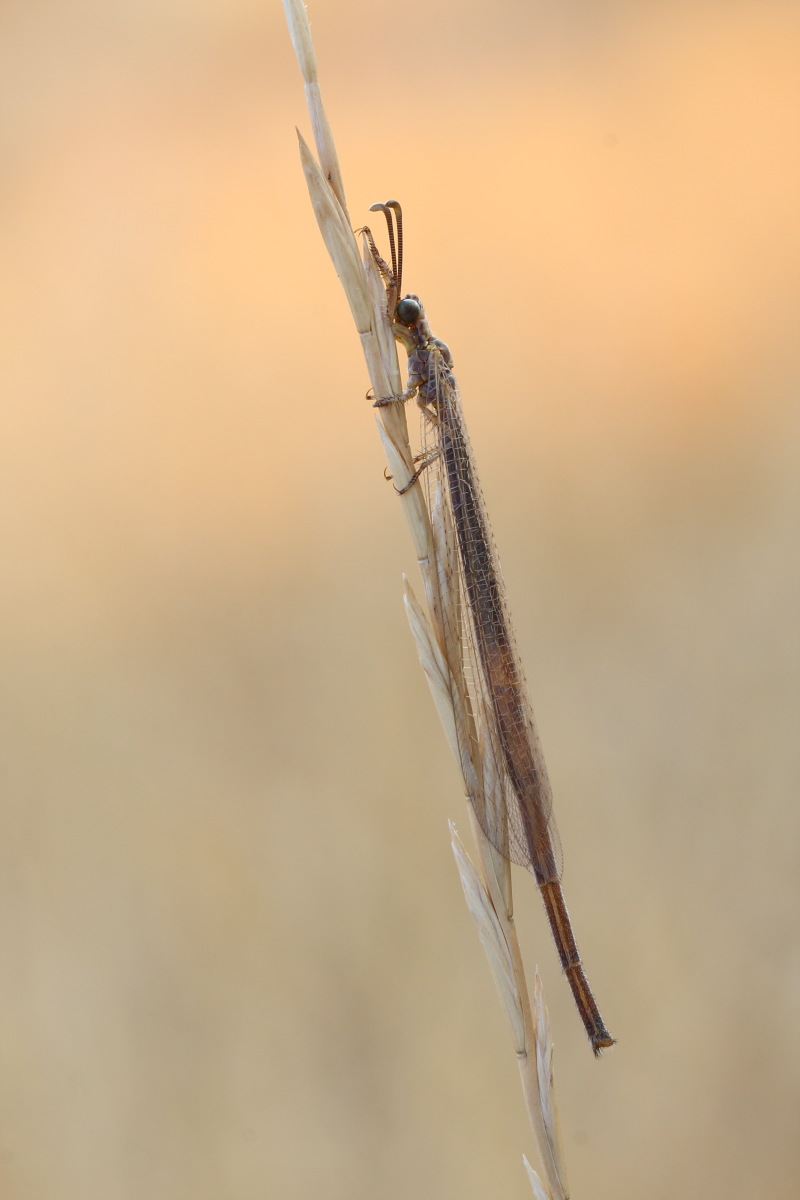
236	960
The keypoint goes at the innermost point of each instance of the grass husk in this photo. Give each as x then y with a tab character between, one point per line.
487	880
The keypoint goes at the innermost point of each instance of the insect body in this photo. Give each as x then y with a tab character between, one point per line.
520	823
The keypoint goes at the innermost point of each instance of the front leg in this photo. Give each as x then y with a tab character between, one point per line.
384	401
408	394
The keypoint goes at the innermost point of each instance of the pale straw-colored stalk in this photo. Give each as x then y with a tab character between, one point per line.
486	883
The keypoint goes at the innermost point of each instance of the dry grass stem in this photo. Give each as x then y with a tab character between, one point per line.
535	1182
529	1031
436	627
300	33
335	228
492	936
433	664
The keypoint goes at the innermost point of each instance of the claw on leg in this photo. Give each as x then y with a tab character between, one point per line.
425	462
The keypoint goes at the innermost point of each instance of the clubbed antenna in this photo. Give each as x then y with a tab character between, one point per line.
394	214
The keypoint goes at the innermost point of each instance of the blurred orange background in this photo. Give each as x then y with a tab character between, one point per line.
236	958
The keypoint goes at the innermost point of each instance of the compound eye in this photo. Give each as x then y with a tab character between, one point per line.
408	311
